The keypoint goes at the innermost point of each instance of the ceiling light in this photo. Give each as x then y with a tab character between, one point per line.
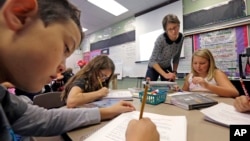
110	6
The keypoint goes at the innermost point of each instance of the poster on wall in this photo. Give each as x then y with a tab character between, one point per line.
94	53
225	45
86	57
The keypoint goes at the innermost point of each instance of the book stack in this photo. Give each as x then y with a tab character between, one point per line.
191	100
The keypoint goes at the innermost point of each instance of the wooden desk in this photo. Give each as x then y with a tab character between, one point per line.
114	81
198	129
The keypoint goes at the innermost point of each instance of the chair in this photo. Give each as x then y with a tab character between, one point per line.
48	100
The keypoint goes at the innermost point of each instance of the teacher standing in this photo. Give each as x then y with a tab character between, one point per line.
167	47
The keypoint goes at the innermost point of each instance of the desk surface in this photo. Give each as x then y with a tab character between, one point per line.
198	129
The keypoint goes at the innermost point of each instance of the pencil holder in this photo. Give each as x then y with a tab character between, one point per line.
154	96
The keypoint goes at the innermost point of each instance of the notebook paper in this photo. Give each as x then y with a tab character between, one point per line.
226	115
170	128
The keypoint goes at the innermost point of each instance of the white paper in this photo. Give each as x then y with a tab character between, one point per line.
226	115
119	94
170	128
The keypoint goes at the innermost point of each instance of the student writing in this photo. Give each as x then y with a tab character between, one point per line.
90	83
36	38
242	103
206	77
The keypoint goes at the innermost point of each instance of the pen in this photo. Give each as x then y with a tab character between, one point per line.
100	81
244	88
144	99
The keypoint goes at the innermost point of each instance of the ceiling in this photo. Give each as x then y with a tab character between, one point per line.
94	18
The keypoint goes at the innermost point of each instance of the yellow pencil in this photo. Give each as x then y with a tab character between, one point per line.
100	81
144	100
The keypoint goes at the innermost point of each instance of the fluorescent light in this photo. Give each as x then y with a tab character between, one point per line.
110	6
84	29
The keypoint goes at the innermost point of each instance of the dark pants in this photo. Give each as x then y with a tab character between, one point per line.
154	75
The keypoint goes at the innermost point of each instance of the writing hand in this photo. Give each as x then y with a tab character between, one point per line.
170	76
142	130
103	91
242	103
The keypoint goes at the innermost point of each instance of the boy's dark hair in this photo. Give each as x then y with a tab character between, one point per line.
2	2
51	11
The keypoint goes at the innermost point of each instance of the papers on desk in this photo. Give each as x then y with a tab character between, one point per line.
119	94
112	98
101	103
170	128
160	83
226	115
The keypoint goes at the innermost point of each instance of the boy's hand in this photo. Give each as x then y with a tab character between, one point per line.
142	130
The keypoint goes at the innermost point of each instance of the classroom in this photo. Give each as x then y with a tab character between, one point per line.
111	80
131	65
205	24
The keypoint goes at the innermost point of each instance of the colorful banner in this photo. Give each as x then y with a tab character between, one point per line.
225	45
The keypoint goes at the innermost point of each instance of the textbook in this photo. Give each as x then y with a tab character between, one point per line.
170	128
191	101
225	115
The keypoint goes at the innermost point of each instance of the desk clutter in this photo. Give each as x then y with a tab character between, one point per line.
157	91
154	96
191	100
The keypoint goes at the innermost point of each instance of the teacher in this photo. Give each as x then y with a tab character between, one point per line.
167	47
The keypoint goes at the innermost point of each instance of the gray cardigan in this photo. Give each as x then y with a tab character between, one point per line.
164	52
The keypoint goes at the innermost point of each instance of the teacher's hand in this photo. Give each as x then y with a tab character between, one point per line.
170	76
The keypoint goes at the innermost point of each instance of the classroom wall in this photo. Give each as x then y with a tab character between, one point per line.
189	6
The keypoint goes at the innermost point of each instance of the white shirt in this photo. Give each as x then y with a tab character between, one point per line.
198	87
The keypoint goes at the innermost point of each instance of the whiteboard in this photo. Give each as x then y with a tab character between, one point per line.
124	57
150	24
125	54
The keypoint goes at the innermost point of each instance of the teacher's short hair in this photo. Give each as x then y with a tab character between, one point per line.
170	18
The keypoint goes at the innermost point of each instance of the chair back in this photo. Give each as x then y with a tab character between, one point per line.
49	100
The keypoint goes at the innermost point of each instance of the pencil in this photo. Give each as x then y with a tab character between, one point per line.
100	81
144	100
244	88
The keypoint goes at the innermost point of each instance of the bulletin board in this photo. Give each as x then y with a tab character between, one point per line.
225	45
